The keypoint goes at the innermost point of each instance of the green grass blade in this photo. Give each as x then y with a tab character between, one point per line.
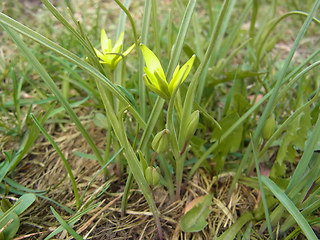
175	55
7	21
122	19
271	103
18	186
222	31
155	27
263	195
72	220
101	170
292	209
176	52
254	107
286	123
144	40
133	161
311	145
66	225
53	87
64	160
190	96
236	227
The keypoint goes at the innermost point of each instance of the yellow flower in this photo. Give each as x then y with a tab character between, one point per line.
111	56
155	78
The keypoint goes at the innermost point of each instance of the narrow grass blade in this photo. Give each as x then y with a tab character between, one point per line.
144	40
16	185
133	161
311	145
236	227
292	209
72	220
53	87
263	195
101	170
190	96
7	21
286	123
66	225
64	160
172	64
271	103
175	54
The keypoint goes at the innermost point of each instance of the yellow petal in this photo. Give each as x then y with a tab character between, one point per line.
104	41
152	62
118	45
154	89
158	85
151	77
174	76
129	50
116	60
99	54
181	75
163	85
109	49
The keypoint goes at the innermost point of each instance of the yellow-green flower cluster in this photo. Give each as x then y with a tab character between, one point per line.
111	56
155	78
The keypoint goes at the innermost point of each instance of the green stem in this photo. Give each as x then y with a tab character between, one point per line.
133	162
144	39
124	201
253	22
155	26
188	103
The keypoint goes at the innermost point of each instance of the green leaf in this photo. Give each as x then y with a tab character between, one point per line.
11	224
5	204
195	219
240	104
24	202
73	220
295	136
233	141
292	209
65	225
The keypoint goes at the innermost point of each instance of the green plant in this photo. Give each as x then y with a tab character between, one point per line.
225	110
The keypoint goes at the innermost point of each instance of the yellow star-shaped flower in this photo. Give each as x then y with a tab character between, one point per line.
155	78
111	56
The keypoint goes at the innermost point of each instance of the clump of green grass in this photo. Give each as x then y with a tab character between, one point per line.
232	107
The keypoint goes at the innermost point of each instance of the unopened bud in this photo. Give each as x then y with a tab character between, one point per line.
155	176
152	176
192	124
268	127
160	142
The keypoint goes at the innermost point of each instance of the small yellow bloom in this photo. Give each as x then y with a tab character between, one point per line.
111	56
155	78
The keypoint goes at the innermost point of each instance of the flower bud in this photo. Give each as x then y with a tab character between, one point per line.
268	127
192	124
155	176
161	141
152	176
148	175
